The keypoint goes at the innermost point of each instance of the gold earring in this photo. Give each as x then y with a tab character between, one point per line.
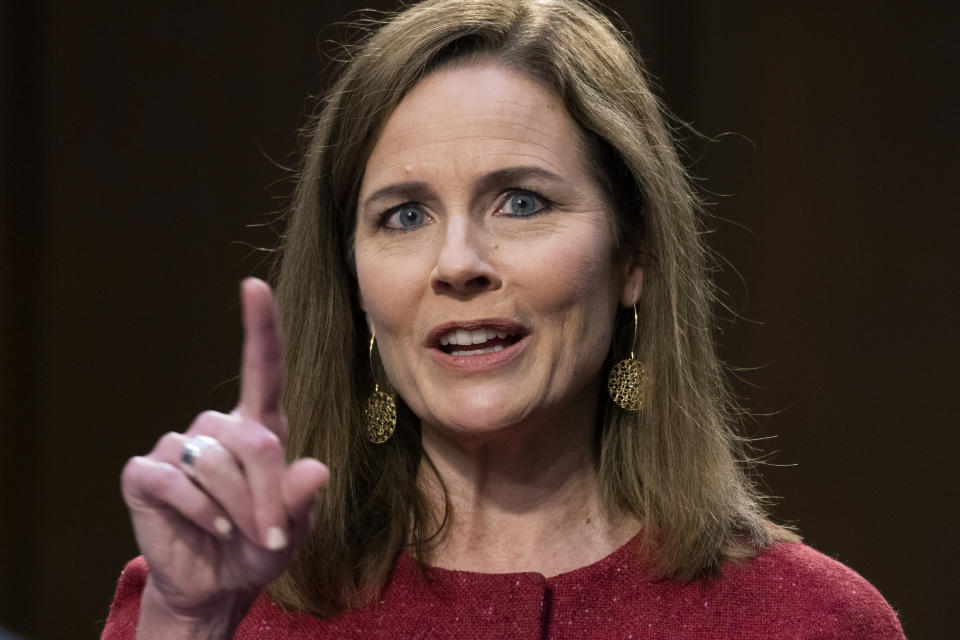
380	414
627	383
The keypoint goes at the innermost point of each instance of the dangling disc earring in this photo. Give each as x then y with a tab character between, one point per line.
380	414
628	378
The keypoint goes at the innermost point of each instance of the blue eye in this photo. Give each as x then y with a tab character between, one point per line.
522	204
405	217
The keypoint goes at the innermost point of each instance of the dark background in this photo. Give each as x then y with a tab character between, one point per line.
140	142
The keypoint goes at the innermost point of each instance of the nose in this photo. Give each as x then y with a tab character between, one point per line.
462	266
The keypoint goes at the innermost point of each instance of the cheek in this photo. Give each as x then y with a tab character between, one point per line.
388	292
572	290
391	292
572	274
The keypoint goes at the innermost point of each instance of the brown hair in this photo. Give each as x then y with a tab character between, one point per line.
678	465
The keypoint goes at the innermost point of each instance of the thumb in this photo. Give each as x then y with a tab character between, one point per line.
301	481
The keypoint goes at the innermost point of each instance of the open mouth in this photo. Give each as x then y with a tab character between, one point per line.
475	342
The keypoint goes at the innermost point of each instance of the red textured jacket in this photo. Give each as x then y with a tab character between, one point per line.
789	591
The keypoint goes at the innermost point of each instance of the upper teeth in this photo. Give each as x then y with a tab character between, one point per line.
479	336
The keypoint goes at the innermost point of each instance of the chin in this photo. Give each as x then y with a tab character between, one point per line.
479	415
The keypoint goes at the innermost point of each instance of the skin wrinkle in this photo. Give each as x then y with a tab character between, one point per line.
459	133
516	441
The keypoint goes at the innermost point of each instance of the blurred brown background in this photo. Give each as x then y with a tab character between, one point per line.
135	155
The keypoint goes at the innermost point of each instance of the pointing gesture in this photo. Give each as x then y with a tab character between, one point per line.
216	510
261	380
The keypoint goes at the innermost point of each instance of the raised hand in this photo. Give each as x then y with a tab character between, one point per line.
217	530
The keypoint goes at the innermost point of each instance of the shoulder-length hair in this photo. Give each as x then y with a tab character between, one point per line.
678	465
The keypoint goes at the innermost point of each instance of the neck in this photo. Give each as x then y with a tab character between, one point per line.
525	499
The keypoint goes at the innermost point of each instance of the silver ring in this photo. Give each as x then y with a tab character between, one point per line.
192	449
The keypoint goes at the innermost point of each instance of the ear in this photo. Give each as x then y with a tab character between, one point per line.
366	317
360	301
363	308
632	284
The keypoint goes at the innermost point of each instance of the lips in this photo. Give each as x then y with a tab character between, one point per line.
474	333
476	343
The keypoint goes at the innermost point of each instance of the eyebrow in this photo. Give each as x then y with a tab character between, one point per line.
411	190
506	177
512	177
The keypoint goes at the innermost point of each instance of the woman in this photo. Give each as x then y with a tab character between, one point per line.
492	224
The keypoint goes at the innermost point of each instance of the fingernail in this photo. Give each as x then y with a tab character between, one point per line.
222	525
276	539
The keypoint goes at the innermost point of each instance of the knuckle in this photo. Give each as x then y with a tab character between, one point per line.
132	471
207	418
264	445
168	440
164	480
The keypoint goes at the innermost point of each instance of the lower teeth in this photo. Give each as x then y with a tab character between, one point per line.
477	352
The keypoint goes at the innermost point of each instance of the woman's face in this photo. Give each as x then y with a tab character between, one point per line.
485	256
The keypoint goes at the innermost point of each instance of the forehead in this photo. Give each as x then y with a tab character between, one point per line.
477	116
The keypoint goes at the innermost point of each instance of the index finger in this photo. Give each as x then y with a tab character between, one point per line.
261	374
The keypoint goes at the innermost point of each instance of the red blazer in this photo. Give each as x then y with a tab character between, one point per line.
789	591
